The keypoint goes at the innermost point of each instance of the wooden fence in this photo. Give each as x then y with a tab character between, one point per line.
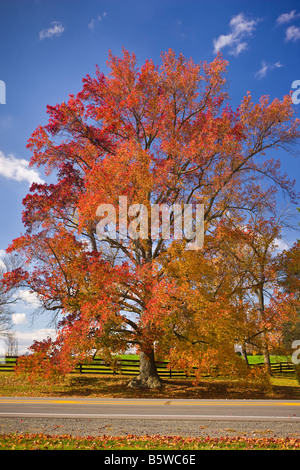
7	363
127	367
130	367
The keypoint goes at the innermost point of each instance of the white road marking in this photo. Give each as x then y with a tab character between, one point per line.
147	416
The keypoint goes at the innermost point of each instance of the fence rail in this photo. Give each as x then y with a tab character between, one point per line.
127	367
130	367
8	363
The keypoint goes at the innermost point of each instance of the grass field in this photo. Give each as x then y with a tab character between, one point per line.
257	359
253	359
89	385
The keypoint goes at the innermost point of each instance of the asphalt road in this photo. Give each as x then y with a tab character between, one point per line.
282	410
117	417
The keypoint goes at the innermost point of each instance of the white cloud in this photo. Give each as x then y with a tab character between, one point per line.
241	25
28	297
287	17
281	245
95	21
292	33
55	30
19	318
262	72
25	339
223	41
17	169
241	28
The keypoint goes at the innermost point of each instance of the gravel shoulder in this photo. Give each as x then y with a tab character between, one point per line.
122	427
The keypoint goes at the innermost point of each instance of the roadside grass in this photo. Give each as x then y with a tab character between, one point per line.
115	386
132	442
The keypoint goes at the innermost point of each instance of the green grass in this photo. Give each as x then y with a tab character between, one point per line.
131	442
257	359
129	357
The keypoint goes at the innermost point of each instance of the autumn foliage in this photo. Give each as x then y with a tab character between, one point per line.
157	135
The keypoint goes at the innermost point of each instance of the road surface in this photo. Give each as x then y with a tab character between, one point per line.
151	408
109	416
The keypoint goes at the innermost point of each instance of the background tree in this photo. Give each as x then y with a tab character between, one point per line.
229	294
157	135
289	280
258	260
7	299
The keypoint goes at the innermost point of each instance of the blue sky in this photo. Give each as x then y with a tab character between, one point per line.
48	46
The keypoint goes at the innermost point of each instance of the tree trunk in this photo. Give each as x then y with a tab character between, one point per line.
266	355
148	376
244	354
265	349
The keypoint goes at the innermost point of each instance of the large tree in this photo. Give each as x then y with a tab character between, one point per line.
157	135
